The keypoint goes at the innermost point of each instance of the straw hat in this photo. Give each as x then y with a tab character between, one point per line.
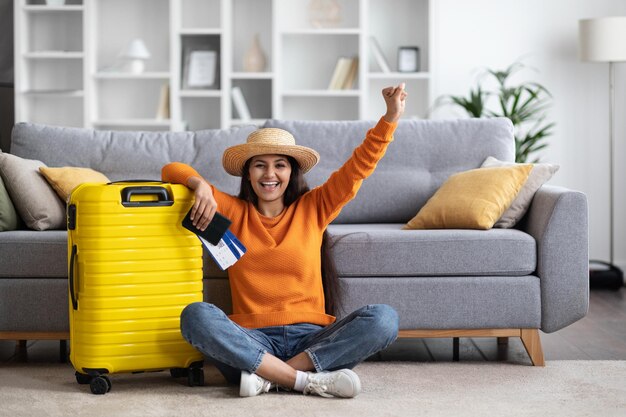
269	140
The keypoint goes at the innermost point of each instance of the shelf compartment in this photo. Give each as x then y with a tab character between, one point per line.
320	53
52	109
258	97
121	99
201	113
198	14
66	27
411	28
244	30
148	20
53	74
320	108
191	43
318	14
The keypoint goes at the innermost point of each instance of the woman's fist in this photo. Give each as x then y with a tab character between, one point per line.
395	98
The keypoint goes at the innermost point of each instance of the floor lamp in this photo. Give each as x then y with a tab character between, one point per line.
604	40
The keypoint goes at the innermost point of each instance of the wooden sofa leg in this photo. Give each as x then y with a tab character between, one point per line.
21	352
532	343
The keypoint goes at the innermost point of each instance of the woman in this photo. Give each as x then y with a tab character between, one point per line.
280	332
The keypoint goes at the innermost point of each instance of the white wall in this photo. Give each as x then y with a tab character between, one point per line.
470	35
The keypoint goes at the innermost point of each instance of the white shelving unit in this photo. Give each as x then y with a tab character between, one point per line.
49	60
69	70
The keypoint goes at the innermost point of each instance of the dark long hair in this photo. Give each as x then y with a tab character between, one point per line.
297	186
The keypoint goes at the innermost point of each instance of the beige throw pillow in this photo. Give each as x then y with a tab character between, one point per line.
35	201
539	175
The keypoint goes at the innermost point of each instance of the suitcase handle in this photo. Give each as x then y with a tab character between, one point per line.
161	193
72	294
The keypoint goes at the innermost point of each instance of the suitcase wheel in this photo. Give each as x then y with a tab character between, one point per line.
100	385
82	378
178	372
195	377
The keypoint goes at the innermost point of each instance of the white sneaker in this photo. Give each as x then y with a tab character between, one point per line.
252	384
342	383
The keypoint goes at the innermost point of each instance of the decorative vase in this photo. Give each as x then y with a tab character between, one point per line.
254	59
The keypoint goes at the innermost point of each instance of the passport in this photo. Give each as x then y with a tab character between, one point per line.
214	231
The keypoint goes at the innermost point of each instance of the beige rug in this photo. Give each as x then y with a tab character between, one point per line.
562	388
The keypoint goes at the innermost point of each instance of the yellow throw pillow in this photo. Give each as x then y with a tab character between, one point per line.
472	199
65	179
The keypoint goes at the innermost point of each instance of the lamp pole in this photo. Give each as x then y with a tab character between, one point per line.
611	157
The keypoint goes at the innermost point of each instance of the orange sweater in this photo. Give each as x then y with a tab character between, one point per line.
279	281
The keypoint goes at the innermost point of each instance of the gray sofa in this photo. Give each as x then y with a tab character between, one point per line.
443	283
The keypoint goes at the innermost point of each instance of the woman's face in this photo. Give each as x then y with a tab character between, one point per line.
269	176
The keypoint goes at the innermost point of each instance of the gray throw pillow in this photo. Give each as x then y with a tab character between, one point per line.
8	216
36	202
539	175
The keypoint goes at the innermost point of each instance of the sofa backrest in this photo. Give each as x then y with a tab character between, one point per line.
124	155
422	156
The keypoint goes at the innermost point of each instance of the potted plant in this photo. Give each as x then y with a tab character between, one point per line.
525	104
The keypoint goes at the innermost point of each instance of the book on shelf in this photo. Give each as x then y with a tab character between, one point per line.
352	76
379	56
163	110
239	102
344	74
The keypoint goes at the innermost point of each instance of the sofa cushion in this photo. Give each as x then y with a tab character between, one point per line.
35	254
123	155
473	199
35	201
422	156
369	250
540	174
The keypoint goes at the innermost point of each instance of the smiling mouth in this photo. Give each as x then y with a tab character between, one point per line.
269	185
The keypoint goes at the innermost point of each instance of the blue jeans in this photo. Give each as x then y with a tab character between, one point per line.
343	344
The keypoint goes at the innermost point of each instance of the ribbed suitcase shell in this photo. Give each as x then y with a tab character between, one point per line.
134	271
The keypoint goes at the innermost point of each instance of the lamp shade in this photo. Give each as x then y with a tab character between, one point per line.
602	39
136	50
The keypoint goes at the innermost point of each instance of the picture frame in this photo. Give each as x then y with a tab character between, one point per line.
199	68
408	59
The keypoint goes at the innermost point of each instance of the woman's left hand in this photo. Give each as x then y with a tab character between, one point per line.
395	98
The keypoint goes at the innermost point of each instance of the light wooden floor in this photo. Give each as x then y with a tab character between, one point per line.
600	335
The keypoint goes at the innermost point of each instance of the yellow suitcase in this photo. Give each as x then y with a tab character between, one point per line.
132	269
